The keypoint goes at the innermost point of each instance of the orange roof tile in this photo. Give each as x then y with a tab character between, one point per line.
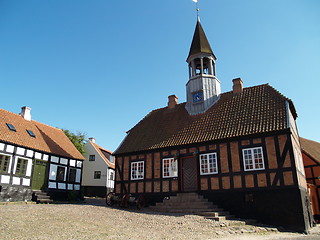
256	110
104	153
48	139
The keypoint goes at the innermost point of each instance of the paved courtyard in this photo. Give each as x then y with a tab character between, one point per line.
93	220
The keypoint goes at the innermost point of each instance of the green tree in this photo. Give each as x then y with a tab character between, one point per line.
77	139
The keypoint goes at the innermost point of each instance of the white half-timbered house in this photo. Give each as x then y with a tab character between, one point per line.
36	157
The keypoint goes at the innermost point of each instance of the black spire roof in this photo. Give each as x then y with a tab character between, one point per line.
200	43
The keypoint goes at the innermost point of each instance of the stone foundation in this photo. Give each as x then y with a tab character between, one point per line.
10	193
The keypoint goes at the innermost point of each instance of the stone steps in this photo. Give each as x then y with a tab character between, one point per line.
180	210
192	203
41	197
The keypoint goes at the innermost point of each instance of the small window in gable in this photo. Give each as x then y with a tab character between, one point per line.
97	175
11	127
92	158
31	133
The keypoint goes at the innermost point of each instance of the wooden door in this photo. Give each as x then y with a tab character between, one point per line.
39	175
189	172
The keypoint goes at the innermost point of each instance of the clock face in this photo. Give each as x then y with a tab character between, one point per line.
197	97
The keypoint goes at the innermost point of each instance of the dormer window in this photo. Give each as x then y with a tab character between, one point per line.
31	133
11	127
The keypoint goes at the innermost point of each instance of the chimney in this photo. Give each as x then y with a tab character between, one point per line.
92	139
237	85
173	101
25	113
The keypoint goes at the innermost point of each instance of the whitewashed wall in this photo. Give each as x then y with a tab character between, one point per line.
89	167
14	154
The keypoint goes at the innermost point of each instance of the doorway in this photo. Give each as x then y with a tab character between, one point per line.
39	175
189	174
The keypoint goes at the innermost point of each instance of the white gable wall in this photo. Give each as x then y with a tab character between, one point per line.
89	167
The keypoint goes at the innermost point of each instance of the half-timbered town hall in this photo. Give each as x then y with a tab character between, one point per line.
239	149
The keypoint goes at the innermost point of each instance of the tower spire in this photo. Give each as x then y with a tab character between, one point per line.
203	87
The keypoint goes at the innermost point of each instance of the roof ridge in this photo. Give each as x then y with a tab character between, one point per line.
32	121
102	148
12	113
258	109
37	122
151	112
310	140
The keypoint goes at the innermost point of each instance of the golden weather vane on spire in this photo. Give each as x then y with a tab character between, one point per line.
197	4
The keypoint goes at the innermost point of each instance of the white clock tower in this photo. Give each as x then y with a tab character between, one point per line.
203	88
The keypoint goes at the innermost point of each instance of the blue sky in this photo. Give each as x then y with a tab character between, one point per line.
100	66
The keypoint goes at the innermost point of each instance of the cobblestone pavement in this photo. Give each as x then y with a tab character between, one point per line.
92	220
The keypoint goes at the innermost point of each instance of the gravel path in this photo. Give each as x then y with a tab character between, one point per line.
95	221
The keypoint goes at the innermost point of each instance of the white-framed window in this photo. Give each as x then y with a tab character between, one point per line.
111	175
22	166
208	163
169	167
5	163
137	170
253	159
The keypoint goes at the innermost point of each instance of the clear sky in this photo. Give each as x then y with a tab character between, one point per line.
99	66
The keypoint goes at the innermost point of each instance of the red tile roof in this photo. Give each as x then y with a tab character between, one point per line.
48	139
104	153
259	109
311	148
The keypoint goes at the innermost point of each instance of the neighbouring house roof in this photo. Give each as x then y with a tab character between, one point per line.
47	139
256	110
105	154
311	148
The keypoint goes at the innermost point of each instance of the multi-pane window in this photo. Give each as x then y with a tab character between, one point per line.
4	163
170	167
21	168
208	163
72	174
92	157
137	170
97	175
253	159
60	173
111	177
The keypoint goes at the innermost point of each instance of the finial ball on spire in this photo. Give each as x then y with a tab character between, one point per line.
197	9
